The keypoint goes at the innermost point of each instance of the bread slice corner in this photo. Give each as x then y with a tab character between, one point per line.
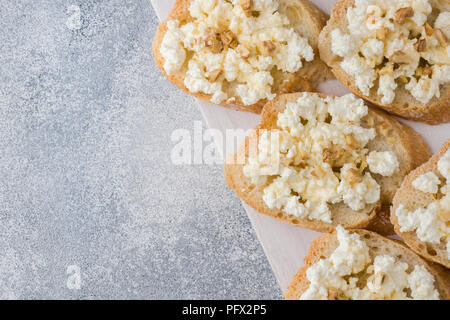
404	105
325	244
413	199
309	21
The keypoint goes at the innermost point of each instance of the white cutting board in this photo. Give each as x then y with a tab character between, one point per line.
285	245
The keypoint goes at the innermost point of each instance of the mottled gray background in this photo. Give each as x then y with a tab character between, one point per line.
85	172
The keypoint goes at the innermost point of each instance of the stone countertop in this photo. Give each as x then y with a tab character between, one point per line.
90	204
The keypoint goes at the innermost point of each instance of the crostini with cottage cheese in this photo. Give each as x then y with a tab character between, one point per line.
362	265
394	54
241	53
320	161
421	208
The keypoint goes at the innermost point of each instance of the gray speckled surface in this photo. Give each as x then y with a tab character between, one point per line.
85	172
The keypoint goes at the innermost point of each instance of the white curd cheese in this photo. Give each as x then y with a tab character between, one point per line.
387	278
311	159
386	41
231	45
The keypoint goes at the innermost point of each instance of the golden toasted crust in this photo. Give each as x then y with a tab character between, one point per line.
326	243
415	152
413	199
408	146
306	79
404	105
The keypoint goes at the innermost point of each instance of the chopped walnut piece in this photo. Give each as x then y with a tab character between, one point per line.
381	33
351	141
247	6
403	79
442	38
268	47
399	57
331	155
428	29
243	52
421	45
214	44
388	69
363	165
353	176
402	14
214	75
227	37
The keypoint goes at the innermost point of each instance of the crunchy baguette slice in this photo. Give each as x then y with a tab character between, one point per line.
307	19
413	199
326	243
405	105
409	147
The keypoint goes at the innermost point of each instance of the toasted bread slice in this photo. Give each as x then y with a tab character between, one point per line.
305	18
412	199
326	243
408	146
436	111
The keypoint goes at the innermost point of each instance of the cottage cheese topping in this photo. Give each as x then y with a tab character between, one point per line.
172	49
337	276
431	224
232	46
427	182
392	42
443	22
384	163
358	194
317	157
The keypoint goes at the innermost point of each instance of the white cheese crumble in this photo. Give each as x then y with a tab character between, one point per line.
316	158
384	163
172	49
387	40
431	224
233	49
358	195
196	81
424	221
387	278
443	22
427	182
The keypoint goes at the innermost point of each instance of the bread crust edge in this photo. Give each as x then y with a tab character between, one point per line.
410	237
